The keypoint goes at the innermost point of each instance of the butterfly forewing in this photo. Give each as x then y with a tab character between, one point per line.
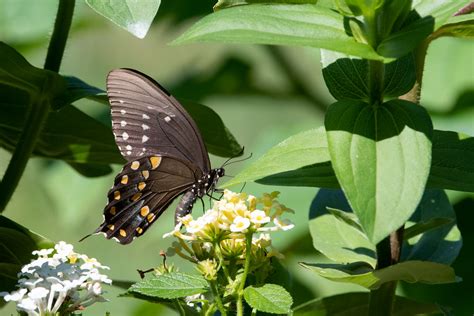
147	120
141	192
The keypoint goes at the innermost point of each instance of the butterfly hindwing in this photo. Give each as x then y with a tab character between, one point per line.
141	192
147	120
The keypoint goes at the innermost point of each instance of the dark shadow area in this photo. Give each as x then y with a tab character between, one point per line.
460	295
378	123
333	198
350	268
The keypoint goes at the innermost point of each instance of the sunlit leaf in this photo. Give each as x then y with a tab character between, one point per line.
382	158
269	298
133	16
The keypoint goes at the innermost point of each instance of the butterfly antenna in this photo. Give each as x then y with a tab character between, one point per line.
86	236
245	183
240	160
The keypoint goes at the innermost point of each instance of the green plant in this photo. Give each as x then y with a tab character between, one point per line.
381	216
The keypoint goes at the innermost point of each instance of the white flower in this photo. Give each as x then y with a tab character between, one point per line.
176	229
195	226
283	224
55	275
240	224
14	296
259	217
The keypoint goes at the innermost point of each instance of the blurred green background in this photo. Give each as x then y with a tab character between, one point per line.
263	94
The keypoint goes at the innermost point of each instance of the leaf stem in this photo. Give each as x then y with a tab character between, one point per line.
38	108
217	297
179	307
60	34
388	253
240	291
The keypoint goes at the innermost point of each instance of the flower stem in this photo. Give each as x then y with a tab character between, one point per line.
221	261
240	292
217	297
179	307
60	34
38	108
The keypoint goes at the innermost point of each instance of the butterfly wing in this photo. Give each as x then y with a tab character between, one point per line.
147	120
141	192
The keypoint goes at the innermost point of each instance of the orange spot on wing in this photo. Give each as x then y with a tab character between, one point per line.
155	162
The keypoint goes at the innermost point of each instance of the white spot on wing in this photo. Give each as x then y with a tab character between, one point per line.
128	147
143	149
145	138
123	123
167	118
129	153
123	112
121	101
125	136
145	127
146	117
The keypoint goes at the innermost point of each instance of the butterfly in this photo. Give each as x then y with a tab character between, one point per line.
165	155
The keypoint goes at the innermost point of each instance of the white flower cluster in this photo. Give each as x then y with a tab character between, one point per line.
234	214
59	281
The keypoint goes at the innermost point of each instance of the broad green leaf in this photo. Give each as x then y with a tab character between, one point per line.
452	167
425	226
382	158
441	11
357	303
16	246
318	175
458	26
78	89
17	73
337	239
68	135
408	271
269	298
218	139
300	25
346	77
170	286
407	39
297	151
222	4
440	244
134	16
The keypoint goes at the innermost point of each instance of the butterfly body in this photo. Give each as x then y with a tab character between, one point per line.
165	155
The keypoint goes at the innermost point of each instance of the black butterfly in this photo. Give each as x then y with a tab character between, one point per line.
165	152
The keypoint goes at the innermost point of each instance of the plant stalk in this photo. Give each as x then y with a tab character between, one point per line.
240	292
38	108
388	253
60	34
217	297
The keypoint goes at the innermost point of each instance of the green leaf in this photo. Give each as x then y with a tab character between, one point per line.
134	16
407	39
78	89
318	175
357	303
17	74
269	298
218	139
300	25
170	286
382	158
222	4
16	246
337	239
420	228
458	26
297	151
452	167
346	77
441	11
441	243
409	271
68	134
